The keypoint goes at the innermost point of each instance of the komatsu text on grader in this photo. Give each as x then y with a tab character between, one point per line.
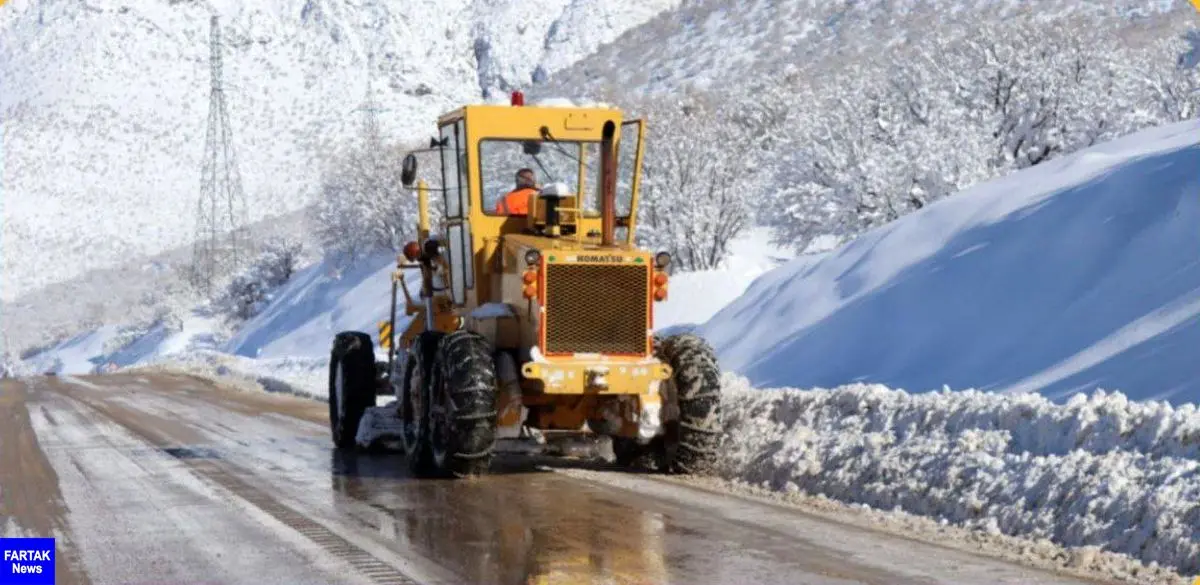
541	320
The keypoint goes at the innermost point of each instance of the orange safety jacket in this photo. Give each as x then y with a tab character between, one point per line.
516	202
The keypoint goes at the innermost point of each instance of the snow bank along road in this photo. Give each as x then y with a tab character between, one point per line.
168	478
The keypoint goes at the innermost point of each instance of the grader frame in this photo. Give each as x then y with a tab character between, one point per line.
542	321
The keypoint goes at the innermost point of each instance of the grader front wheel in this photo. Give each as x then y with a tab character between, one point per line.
693	443
690	444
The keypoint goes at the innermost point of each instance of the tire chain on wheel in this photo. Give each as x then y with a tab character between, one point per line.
465	371
697	378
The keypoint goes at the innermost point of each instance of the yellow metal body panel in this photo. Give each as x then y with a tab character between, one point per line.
521	123
444	319
579	376
507	278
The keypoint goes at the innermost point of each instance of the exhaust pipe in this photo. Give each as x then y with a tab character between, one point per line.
608	184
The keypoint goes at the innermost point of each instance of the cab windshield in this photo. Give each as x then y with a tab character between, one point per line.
575	164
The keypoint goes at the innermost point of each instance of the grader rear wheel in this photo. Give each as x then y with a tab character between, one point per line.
462	406
414	400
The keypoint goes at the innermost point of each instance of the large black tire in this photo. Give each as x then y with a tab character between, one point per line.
462	414
414	398
351	385
691	444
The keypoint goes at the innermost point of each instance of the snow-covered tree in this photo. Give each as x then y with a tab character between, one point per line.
249	292
882	138
10	366
861	156
699	178
363	207
1165	79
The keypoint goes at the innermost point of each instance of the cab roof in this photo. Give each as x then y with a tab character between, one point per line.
556	105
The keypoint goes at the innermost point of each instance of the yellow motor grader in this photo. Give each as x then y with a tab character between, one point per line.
541	320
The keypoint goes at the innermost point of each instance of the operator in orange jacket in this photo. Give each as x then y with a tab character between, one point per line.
516	202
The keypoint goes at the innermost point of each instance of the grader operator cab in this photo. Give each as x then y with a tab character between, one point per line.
536	321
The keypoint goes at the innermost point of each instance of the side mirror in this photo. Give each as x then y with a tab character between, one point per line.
408	170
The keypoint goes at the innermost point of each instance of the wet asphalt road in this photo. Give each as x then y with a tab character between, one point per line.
149	478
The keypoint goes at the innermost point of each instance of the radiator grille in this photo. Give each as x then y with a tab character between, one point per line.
596	308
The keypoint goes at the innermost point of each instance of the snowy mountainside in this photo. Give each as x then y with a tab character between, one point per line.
1079	273
136	292
724	43
105	103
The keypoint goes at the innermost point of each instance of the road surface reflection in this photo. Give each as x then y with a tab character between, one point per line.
517	526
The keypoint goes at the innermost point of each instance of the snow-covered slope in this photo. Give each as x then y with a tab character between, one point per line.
1075	274
315	305
720	43
104	103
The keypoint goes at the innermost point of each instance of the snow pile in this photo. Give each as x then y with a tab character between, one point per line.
105	103
1097	471
379	424
318	303
695	297
304	377
1073	275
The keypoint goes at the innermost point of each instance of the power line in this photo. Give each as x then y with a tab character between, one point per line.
221	214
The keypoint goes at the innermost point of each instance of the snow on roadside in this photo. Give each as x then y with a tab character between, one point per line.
379	425
1099	471
317	303
1069	275
299	376
111	347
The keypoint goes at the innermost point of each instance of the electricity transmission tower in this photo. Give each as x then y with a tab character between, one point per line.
369	161
373	140
221	212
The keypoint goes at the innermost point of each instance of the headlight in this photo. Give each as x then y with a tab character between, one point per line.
532	257
662	260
